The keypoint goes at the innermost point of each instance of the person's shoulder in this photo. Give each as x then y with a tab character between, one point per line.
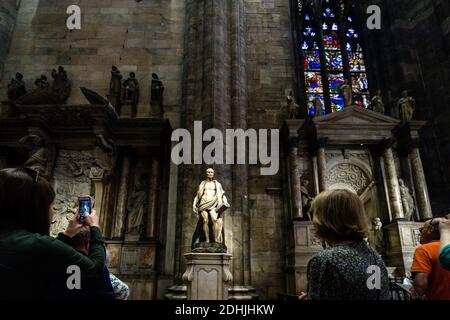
430	247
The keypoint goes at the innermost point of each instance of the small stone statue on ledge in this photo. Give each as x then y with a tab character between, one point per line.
16	88
157	96
61	84
130	93
115	88
292	106
346	90
209	206
407	200
42	82
406	107
377	103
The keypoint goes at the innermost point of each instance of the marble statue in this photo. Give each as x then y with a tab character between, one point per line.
306	198
377	103
157	91
407	200
406	107
136	205
61	85
40	157
318	106
293	107
209	204
377	230
346	90
16	88
115	85
42	82
130	93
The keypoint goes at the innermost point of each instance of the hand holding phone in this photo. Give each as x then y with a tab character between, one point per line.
85	206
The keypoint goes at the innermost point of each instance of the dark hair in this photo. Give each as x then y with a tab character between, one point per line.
338	215
25	200
81	238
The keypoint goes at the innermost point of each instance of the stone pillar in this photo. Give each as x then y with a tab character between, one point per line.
321	168
423	199
207	276
392	184
153	197
296	194
122	198
97	176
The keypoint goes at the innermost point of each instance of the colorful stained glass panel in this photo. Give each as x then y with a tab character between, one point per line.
313	82
360	83
335	80
356	61
330	40
362	101
312	60
337	102
334	60
315	101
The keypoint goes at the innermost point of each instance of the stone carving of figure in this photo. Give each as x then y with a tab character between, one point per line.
292	106
318	106
115	88
115	85
136	205
157	92
346	90
105	153
407	200
377	103
306	199
377	230
130	93
40	157
16	88
61	84
209	204
42	82
406	107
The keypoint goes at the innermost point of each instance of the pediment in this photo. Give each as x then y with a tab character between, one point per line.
356	116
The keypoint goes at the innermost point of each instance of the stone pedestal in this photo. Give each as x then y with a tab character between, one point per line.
305	246
402	240
207	276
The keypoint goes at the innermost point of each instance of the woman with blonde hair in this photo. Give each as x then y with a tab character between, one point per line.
349	269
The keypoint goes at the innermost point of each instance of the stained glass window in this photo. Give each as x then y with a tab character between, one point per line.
312	66
331	48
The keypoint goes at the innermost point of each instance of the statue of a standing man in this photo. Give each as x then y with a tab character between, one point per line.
406	106
209	203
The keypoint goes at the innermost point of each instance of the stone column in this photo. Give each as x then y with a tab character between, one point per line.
321	168
423	199
392	184
296	194
153	197
8	14
207	276
122	197
97	176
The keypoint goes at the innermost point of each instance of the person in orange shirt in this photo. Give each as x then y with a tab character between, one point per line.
430	280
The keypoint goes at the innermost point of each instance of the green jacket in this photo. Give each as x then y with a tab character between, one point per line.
444	257
29	262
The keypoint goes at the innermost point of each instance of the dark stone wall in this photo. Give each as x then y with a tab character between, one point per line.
411	51
8	14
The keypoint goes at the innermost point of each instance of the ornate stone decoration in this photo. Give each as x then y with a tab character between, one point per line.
348	174
16	88
40	155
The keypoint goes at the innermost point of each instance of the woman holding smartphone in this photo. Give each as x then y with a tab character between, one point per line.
31	260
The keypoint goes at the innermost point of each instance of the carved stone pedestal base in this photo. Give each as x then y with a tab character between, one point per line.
403	239
305	246
207	276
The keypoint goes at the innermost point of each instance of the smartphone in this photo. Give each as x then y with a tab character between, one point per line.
85	205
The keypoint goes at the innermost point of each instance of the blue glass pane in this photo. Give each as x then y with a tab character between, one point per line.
337	102
334	60
312	60
316	101
313	82
335	80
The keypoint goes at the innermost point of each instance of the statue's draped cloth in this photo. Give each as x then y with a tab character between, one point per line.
208	204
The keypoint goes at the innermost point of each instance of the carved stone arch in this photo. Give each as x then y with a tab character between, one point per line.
348	173
357	162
